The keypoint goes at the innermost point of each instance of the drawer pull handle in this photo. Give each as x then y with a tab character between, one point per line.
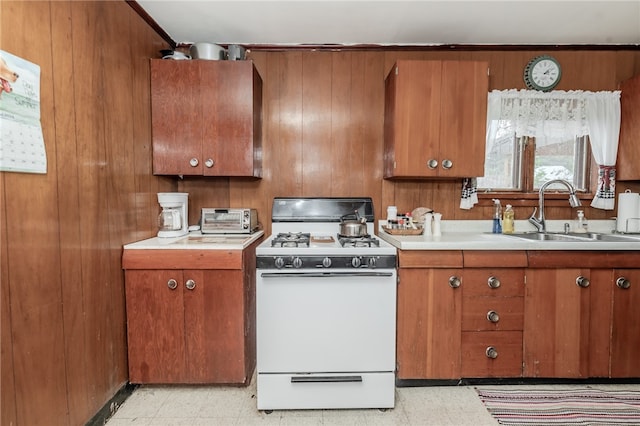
582	281
326	379
493	316
190	284
447	164
454	281
491	352
194	162
623	283
432	164
493	282
172	284
209	163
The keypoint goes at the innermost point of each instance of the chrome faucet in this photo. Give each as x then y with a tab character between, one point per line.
539	221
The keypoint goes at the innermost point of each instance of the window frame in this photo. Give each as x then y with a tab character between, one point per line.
527	195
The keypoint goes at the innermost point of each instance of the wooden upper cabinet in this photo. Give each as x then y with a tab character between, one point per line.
628	152
435	119
206	118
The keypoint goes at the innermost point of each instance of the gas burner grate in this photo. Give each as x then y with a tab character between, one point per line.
363	241
291	239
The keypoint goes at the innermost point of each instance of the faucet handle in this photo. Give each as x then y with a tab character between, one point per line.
533	214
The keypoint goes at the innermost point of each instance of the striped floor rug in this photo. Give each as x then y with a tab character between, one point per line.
562	407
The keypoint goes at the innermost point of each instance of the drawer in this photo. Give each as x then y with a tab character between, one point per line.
478	359
507	313
493	282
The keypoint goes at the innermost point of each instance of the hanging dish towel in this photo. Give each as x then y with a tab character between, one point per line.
469	193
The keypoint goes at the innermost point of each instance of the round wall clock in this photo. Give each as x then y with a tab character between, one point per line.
542	73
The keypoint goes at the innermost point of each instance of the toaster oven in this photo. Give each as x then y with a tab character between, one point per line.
228	221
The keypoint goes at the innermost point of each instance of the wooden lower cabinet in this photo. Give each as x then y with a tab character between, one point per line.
191	325
492	322
429	324
556	323
625	323
546	318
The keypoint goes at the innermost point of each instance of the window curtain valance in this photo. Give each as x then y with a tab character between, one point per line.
560	115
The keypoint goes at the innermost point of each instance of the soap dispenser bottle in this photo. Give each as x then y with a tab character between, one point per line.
507	220
580	225
497	216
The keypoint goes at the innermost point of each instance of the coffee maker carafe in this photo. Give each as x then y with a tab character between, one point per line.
174	217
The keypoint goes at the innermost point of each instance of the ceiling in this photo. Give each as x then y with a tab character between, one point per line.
401	23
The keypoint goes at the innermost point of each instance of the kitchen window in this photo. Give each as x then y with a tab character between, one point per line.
523	164
534	136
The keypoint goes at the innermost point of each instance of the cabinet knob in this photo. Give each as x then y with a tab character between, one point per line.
623	283
493	316
447	164
493	282
454	281
432	164
194	162
491	352
582	281
172	284
190	284
209	162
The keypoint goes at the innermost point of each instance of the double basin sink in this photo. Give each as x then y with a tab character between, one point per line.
576	237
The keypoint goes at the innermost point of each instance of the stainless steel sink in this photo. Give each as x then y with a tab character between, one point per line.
548	236
575	237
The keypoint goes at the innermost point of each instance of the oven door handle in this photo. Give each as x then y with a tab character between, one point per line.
324	274
326	379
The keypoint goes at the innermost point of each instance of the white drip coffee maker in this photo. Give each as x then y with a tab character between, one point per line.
173	220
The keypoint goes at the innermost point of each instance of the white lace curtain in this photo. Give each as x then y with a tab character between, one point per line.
560	115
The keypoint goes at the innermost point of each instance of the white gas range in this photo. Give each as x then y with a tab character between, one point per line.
326	309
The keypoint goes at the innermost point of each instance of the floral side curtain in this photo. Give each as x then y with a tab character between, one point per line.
559	115
603	117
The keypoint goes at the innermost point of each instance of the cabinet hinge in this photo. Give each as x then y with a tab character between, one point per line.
394	165
488	71
396	70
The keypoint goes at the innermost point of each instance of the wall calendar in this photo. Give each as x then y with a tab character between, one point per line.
21	141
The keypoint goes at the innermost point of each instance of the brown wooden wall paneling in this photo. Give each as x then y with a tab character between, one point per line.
63	343
34	274
68	192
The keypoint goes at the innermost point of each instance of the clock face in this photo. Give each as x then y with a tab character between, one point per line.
542	73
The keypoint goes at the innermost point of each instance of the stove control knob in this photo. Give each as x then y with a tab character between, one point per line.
326	262
371	262
356	262
279	262
297	262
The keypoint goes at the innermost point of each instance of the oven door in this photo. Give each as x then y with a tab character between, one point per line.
337	321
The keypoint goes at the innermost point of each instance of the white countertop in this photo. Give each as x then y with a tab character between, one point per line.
476	235
198	241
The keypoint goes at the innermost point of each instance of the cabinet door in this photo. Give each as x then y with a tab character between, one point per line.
429	324
628	152
232	98
463	109
155	326
412	118
435	119
176	117
214	326
625	337
556	324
